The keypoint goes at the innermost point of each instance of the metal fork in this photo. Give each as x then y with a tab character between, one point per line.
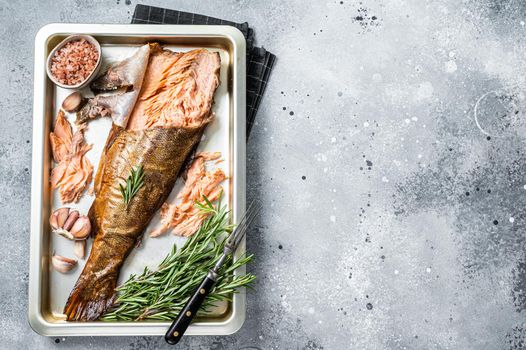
181	323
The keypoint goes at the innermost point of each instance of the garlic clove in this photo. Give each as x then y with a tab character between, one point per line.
81	228
80	249
72	218
63	264
62	216
58	218
53	220
73	102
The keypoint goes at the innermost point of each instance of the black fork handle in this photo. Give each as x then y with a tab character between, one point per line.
181	323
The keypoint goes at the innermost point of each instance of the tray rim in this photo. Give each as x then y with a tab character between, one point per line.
36	319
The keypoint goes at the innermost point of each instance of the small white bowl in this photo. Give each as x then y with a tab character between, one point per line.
93	74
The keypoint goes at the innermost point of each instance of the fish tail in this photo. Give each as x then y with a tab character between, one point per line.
90	298
94	292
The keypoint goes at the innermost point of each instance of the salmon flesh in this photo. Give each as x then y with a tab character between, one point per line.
160	142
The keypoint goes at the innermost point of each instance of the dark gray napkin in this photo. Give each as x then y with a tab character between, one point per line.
259	60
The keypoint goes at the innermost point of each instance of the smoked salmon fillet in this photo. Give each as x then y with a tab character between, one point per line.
172	111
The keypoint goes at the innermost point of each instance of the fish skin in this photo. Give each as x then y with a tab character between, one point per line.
162	152
120	86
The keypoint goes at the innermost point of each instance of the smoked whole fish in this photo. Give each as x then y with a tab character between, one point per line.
167	123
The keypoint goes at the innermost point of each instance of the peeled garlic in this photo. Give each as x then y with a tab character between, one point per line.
70	224
80	247
81	228
63	264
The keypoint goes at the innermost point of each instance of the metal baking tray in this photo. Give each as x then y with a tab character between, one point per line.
49	290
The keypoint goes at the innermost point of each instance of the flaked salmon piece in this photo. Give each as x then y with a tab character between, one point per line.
74	171
195	172
184	219
76	176
61	138
177	88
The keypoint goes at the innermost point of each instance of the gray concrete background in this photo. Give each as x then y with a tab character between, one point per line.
389	154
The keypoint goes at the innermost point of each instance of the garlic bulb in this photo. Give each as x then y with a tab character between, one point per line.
70	224
63	264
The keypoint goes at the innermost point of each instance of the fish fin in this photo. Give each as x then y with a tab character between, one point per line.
90	298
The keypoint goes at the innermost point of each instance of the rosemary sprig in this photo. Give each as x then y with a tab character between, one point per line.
160	294
134	182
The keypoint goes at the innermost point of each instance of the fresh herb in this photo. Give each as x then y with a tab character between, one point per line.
160	294
134	182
